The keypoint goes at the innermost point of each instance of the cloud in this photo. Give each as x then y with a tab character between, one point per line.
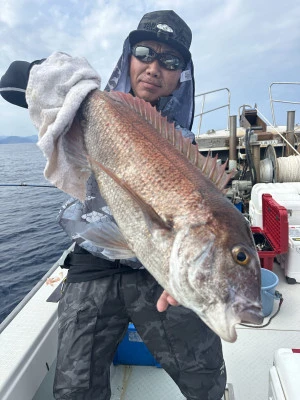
11	13
242	45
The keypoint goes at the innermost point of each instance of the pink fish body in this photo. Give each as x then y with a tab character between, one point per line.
174	219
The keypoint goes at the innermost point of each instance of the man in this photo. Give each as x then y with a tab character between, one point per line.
102	295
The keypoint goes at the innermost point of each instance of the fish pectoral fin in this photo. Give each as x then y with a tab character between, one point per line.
151	215
110	239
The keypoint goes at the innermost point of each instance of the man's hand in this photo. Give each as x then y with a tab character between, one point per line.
165	301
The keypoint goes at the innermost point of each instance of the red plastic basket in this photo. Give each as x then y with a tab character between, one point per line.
275	231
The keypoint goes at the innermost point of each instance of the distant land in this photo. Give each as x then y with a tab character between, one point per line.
18	139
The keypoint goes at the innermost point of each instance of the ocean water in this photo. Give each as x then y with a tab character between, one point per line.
30	238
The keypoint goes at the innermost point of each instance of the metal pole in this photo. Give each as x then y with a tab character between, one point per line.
256	160
232	143
290	134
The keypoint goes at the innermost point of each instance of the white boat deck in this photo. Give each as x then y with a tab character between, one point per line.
28	344
250	358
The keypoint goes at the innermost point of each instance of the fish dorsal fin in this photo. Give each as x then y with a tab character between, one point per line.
208	165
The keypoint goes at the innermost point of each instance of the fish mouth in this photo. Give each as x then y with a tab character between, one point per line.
249	312
230	316
252	315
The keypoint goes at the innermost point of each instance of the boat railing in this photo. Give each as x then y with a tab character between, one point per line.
202	112
272	101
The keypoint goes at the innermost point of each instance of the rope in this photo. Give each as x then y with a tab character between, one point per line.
288	169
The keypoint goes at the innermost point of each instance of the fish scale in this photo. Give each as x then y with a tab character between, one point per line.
145	168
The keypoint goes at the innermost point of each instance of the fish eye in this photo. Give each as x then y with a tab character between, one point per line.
240	255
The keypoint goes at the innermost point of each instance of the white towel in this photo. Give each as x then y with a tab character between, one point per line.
55	91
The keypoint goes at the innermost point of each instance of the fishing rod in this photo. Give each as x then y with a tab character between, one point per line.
26	184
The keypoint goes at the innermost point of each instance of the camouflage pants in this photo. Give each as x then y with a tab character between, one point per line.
93	318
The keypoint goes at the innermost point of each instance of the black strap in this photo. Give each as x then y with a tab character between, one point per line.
75	259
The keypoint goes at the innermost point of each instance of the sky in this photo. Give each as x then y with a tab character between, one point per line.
242	46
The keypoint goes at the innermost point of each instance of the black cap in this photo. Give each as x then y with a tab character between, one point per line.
167	27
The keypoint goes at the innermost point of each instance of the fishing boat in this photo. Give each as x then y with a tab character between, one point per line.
264	362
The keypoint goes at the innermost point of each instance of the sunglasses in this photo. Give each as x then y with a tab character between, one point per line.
147	55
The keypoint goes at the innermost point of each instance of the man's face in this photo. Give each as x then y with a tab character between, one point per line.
150	81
